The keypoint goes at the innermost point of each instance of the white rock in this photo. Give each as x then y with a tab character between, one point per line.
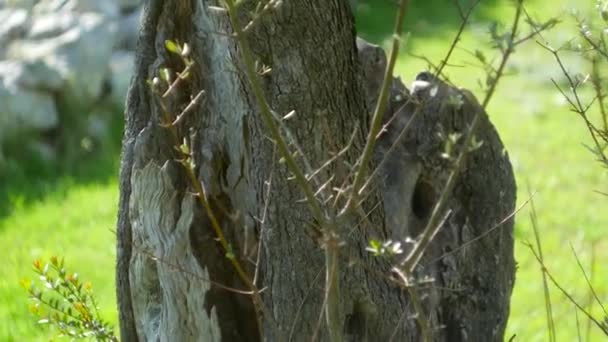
25	4
13	25
97	126
102	7
31	75
50	25
14	22
121	69
25	111
126	5
80	55
128	30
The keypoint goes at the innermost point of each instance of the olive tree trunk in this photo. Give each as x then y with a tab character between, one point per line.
175	282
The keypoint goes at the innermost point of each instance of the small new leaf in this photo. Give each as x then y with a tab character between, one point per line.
230	253
185	50
173	47
165	74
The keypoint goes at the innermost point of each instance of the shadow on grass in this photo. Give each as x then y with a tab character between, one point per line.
375	18
26	178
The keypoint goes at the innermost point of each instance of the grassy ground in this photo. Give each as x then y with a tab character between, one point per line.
67	210
76	225
72	214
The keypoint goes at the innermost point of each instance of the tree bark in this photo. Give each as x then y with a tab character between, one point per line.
171	272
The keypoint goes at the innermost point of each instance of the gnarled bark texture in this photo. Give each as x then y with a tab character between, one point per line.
171	271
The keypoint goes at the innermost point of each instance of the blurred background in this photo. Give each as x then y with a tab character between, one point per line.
65	67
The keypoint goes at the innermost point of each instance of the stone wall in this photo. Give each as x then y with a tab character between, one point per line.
63	63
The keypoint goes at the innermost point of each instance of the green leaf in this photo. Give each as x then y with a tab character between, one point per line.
375	247
230	253
165	74
173	47
480	56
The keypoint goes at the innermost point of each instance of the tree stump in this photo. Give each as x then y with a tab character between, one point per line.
470	263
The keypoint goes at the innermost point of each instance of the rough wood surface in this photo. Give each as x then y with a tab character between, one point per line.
472	268
316	71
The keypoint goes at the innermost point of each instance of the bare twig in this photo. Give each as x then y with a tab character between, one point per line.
388	152
381	105
576	103
548	305
331	240
425	330
262	220
186	160
182	270
603	327
266	113
589	283
437	215
596	80
399	322
578	327
464	21
486	233
594	45
299	311
591	277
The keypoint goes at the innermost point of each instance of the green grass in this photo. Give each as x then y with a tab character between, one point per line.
66	209
75	224
47	213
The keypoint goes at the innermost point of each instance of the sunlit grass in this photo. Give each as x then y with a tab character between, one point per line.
76	225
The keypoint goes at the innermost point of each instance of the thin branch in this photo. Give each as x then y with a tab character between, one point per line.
438	72
548	305
185	159
388	152
260	12
463	24
599	324
589	284
437	215
486	233
262	220
576	103
425	330
293	141
266	113
399	322
331	241
341	153
591	277
578	327
381	105
301	306
594	45
536	28
596	80
189	107
194	275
